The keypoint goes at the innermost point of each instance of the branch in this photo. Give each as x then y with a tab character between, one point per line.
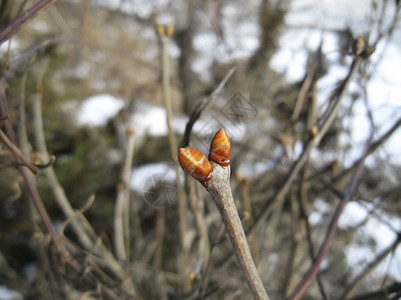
220	190
196	113
17	153
391	292
123	198
37	201
165	33
382	255
215	177
18	22
296	168
314	268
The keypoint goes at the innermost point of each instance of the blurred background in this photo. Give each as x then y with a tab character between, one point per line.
107	87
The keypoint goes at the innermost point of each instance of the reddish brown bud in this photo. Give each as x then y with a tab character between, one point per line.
195	164
220	148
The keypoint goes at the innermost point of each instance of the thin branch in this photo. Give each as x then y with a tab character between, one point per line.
354	283
206	272
40	141
391	292
314	268
220	190
122	202
37	201
303	200
331	115
197	111
372	148
78	224
165	32
17	153
18	22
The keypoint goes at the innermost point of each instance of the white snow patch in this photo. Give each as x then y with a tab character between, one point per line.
7	294
98	109
358	253
141	174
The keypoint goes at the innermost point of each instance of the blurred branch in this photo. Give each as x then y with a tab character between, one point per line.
78	224
17	153
369	268
18	22
40	141
331	114
196	113
197	206
24	60
248	217
372	148
314	268
391	292
208	265
88	276
121	213
303	201
294	247
165	33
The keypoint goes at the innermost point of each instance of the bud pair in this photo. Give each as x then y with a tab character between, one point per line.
197	165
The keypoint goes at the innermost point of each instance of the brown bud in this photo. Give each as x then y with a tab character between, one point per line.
195	164
220	148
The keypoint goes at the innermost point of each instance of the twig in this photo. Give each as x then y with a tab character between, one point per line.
197	206
40	141
78	224
372	148
197	111
17	153
220	190
354	283
33	192
248	219
314	268
206	271
122	202
165	32
331	115
303	201
391	292
18	22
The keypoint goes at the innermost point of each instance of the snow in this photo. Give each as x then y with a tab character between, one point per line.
359	253
344	13
370	229
141	174
383	89
98	109
7	294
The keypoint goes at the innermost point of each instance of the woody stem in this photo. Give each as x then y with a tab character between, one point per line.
219	188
